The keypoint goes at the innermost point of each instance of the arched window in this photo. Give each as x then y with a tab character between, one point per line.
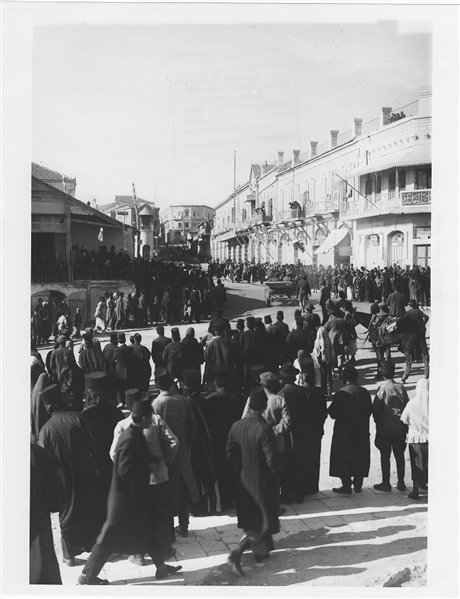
146	252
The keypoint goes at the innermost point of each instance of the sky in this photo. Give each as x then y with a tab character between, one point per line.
165	107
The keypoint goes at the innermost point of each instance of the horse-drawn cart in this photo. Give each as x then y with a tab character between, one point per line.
280	291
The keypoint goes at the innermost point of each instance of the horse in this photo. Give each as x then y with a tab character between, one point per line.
405	336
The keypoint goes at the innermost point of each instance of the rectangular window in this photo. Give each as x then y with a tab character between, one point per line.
378	184
233	215
368	188
187	225
245	213
423	178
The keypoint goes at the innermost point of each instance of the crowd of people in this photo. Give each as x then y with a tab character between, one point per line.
234	419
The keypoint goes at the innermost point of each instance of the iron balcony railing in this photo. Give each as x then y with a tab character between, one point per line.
386	202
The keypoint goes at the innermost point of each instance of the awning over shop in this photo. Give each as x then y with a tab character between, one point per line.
335	237
420	154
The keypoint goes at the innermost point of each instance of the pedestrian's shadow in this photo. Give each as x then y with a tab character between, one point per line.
321	553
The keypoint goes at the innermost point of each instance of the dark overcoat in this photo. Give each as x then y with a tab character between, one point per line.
71	446
128	526
251	448
176	411
46	495
351	409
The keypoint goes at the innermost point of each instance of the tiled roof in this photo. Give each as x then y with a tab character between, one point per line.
46	174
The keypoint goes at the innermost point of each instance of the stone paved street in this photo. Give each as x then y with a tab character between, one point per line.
370	539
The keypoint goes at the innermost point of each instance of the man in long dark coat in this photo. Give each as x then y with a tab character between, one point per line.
158	346
222	409
46	495
221	351
299	339
252	449
192	351
66	374
72	447
89	359
123	356
249	343
351	409
141	361
128	527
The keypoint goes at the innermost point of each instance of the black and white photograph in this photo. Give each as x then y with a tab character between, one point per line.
230	238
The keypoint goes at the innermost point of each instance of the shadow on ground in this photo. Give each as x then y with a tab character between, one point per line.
316	554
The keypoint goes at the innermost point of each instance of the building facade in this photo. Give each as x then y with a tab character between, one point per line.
181	223
144	218
364	198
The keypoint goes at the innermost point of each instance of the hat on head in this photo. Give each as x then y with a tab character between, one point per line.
309	307
190	331
306	364
218	328
174	330
121	337
268	319
49	393
288	371
280	314
96	381
250	320
258	319
240	322
388	369
413	303
256	370
349	373
141	404
61	339
258	400
86	336
129	394
268	378
191	378
162	376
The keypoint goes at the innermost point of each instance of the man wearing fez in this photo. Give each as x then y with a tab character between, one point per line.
123	357
128	527
201	456
222	409
163	446
176	411
351	408
71	445
251	448
100	414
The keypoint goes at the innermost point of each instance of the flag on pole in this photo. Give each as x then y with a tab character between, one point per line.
100	236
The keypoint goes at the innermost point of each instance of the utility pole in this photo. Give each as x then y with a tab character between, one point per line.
136	210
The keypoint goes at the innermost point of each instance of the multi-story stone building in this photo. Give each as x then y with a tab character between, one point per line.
143	216
180	223
364	198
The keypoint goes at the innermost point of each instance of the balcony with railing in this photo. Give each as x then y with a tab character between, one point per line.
287	215
323	206
387	202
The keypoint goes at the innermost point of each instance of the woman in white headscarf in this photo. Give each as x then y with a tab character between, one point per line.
415	415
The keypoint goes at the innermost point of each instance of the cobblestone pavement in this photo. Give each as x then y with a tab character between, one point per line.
370	539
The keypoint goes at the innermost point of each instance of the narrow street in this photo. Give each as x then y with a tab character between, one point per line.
370	539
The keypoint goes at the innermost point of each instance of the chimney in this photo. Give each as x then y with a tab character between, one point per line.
334	135
279	164
357	127
424	104
313	148
295	156
385	113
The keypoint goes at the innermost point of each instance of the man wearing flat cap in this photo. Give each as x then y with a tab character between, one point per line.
128	527
176	411
251	448
71	445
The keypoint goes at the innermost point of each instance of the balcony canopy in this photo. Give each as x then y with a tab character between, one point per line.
334	237
417	155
